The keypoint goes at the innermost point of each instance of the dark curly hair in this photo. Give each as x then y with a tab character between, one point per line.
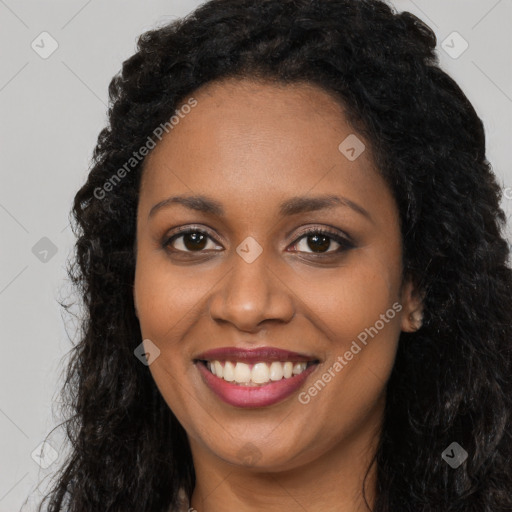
452	378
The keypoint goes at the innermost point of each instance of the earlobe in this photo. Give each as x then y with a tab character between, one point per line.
412	302
415	321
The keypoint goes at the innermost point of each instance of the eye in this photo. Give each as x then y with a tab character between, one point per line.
191	240
320	240
316	241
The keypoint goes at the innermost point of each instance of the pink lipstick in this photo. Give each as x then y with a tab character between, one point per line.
257	377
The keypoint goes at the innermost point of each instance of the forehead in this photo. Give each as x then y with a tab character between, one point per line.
260	140
235	116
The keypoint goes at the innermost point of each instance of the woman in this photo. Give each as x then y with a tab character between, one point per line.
291	257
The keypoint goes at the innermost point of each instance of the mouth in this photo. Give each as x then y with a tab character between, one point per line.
254	378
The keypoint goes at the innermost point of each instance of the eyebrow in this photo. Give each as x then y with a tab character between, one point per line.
292	206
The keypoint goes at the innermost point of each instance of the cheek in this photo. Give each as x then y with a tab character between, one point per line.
166	304
358	310
167	296
353	298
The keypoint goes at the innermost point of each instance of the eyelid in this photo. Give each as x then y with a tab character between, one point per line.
191	228
327	230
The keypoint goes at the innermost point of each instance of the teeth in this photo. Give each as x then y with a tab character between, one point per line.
276	371
242	373
229	371
298	368
260	373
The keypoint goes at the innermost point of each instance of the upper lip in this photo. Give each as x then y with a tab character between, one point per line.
253	355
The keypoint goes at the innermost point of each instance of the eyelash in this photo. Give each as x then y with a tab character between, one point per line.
344	243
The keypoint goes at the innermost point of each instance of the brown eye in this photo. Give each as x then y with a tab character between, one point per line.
194	241
317	241
190	241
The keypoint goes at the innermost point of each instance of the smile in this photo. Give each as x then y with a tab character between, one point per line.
254	378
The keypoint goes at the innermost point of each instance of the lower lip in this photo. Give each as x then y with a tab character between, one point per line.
253	396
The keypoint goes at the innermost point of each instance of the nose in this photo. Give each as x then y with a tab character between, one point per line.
251	294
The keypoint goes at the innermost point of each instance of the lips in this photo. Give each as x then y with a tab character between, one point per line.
255	355
236	387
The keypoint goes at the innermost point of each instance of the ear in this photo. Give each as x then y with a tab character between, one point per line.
412	303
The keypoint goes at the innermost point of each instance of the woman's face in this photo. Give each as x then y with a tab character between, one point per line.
254	166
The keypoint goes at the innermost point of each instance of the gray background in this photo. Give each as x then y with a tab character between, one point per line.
51	112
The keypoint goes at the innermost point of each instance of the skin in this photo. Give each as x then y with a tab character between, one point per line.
251	145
